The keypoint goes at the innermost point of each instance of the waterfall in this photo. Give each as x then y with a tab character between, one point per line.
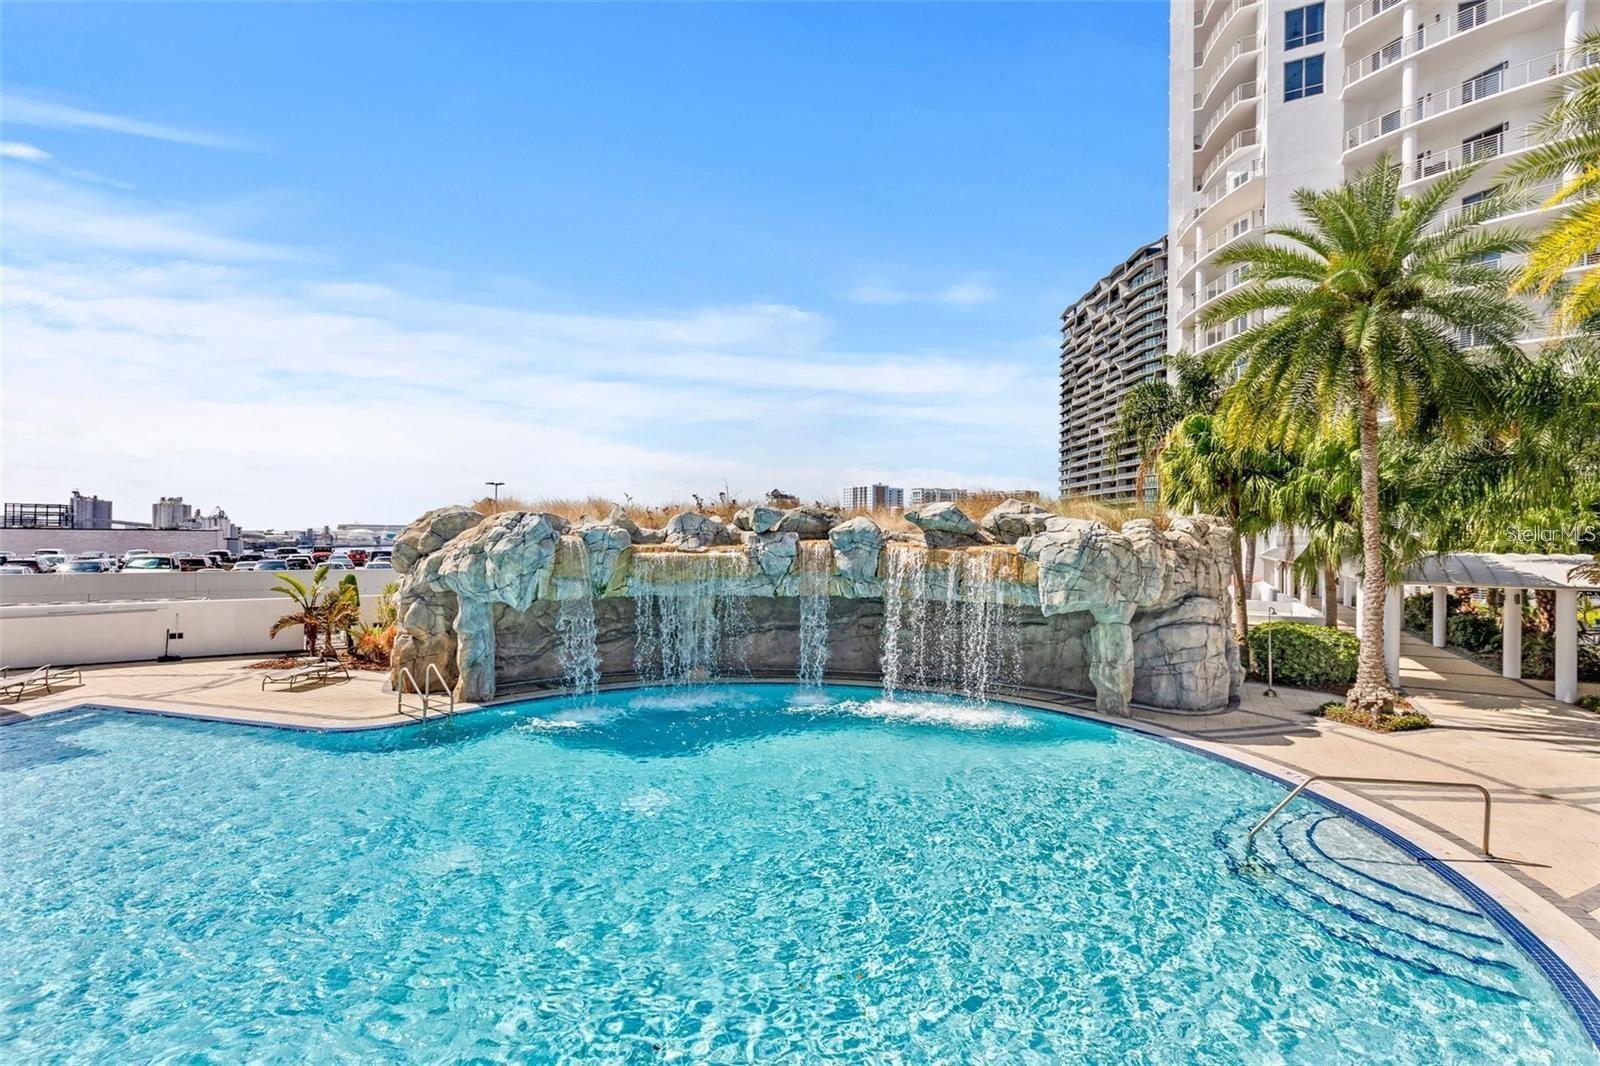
687	607
814	564
577	650
956	629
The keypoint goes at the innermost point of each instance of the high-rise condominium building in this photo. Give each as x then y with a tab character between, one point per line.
1269	96
873	497
1112	339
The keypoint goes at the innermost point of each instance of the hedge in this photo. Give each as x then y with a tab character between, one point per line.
1305	655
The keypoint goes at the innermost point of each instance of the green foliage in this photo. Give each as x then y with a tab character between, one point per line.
389	604
1304	655
1399	722
1589	703
1474	630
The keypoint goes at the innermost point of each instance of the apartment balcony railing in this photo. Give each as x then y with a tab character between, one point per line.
1242	139
1431	164
1371	63
1225	284
1249	44
1248	91
1358	14
1230	180
1238	228
1528	201
1467	17
1470	91
1203	54
1228	330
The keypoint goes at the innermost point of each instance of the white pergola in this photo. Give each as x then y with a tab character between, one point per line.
1517	576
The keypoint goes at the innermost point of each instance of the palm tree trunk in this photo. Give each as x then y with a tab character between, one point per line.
1241	613
1138	483
1330	598
1249	560
1372	692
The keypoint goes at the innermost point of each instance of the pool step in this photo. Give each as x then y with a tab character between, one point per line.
1324	869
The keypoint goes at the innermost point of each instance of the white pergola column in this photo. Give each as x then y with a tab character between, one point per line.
1567	645
1393	619
1441	612
1511	634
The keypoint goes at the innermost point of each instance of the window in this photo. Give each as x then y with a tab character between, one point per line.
1480	197
1471	15
1302	77
1485	145
1486	84
1303	25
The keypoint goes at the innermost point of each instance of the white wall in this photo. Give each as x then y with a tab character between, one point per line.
166	585
116	541
107	630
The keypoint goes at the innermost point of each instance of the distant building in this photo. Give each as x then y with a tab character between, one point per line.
89	512
873	498
1113	338
38	516
918	497
170	512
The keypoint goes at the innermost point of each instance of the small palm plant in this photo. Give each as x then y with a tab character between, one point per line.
1379	305
1151	409
309	610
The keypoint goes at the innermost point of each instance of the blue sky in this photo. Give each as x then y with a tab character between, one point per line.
651	250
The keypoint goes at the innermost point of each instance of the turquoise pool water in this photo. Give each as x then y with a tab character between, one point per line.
747	872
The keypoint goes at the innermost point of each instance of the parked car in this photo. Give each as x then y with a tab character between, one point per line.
195	562
357	556
270	564
378	564
244	564
151	564
48	559
13	570
220	556
83	566
299	562
251	557
337	563
133	553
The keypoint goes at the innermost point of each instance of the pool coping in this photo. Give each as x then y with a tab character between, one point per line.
1516	916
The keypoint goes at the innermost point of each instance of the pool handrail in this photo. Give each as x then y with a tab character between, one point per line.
1488	801
425	690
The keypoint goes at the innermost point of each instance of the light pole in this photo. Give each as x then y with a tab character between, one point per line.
496	485
1270	691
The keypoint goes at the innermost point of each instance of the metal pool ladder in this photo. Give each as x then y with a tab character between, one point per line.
1488	802
419	710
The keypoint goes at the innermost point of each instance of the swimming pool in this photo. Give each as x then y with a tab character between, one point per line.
748	870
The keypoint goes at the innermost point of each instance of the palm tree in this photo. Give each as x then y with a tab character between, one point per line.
1203	472
1364	311
309	609
1570	158
341	612
1322	495
1151	409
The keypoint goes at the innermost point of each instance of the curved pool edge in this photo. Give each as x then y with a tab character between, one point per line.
1534	924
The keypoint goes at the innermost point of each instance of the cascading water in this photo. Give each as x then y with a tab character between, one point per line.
956	628
577	648
687	607
814	563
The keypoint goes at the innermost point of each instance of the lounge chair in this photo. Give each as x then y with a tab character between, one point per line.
42	678
321	670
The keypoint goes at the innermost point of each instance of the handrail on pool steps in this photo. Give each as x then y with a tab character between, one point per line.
425	690
1488	802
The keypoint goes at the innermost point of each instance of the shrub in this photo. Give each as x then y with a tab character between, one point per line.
373	644
1589	703
1304	655
1401	721
1474	631
1418	610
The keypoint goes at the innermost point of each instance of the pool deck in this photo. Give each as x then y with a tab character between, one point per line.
1540	759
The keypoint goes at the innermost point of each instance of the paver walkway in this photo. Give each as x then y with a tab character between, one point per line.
1539	758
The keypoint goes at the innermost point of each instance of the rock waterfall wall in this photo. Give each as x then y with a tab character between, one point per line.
1023	601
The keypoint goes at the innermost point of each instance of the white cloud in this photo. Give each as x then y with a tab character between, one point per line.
24	110
19	150
966	293
150	351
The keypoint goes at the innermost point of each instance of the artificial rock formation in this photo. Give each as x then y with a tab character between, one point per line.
1134	615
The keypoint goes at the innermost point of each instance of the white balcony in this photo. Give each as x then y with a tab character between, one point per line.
1207	50
1432	164
1468	17
1228	330
1228	183
1242	48
1373	62
1470	91
1242	139
1362	13
1238	229
1529	204
1248	91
